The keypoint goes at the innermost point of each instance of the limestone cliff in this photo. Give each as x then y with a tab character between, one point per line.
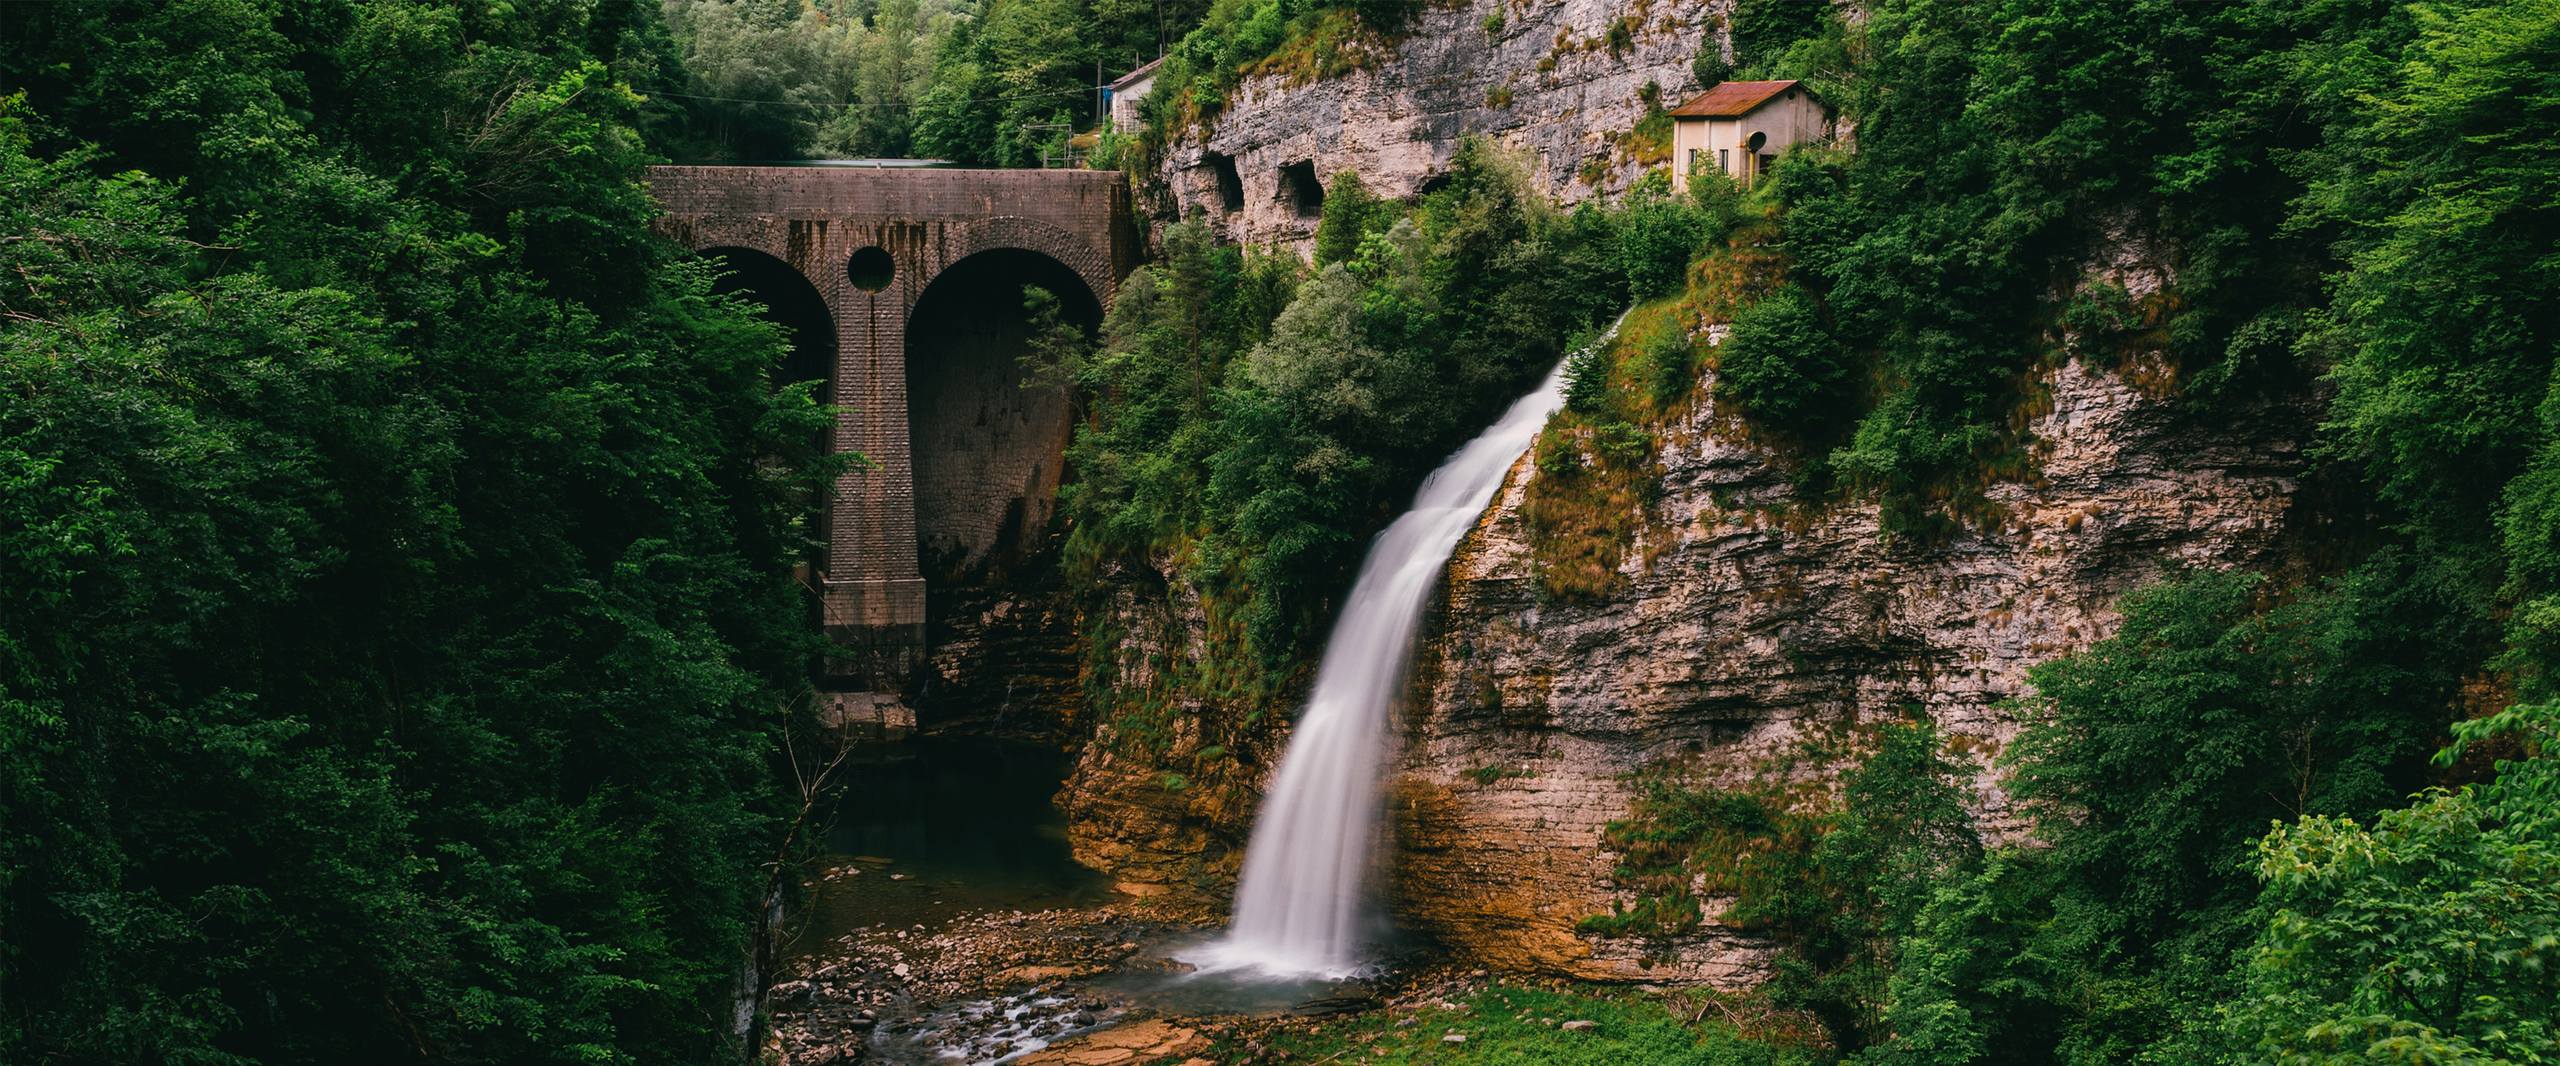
1153	801
1746	624
1562	82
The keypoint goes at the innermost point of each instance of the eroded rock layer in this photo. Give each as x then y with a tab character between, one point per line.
1747	623
1561	82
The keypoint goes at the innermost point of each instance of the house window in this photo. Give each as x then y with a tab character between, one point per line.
1694	153
1766	161
1724	160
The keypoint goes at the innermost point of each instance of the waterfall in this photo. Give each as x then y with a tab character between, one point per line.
1302	907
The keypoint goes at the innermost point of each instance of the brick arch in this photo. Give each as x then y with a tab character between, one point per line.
1032	235
783	239
752	234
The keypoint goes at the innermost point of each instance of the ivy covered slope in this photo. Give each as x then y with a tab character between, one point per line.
394	619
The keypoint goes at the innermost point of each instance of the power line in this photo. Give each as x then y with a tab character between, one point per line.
879	105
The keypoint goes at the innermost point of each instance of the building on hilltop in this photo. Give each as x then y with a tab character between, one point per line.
1127	92
1741	126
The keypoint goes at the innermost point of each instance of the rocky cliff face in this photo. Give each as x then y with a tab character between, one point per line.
1746	624
1562	82
1143	804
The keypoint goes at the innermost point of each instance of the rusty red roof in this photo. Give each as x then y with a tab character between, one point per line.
1732	99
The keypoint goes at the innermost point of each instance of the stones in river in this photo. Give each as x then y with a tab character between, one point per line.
1345	1001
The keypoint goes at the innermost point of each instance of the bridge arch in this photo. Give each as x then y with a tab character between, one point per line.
986	441
1015	232
791	301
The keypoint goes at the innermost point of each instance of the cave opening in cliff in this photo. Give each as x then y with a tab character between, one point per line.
1222	168
987	443
1300	189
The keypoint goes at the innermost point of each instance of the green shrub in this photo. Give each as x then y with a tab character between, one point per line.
1586	379
1782	366
1665	366
1658	237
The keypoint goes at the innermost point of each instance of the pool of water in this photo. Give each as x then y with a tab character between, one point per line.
936	827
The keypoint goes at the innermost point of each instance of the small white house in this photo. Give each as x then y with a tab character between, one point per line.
1740	127
1128	91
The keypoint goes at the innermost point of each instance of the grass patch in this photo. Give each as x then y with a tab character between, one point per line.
1516	1026
1333	43
1598	469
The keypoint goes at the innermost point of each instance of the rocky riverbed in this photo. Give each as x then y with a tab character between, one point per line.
979	988
1072	987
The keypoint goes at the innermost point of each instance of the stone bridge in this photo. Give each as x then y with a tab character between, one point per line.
902	289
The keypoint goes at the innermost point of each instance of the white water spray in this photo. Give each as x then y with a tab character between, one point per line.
1302	907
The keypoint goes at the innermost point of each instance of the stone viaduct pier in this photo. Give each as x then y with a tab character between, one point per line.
902	288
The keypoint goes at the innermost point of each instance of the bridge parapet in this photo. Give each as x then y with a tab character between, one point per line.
871	241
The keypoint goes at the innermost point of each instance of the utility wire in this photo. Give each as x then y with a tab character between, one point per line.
882	104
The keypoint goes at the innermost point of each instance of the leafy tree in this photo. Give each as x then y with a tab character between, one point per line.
1782	365
1659	235
1762	30
1351	215
395	624
2424	937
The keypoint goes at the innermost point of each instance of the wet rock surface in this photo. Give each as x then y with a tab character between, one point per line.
979	988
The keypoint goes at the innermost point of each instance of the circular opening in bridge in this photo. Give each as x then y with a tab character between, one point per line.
870	269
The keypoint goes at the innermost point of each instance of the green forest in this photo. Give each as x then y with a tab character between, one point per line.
398	633
401	660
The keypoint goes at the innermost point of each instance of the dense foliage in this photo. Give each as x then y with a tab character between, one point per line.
1001	82
395	622
987	82
782	79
